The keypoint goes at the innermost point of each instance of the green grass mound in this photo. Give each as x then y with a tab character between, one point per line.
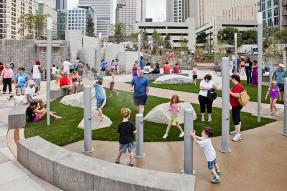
191	88
65	131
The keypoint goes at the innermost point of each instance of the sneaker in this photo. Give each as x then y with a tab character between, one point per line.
165	136
232	132
202	119
209	119
218	172
215	180
237	137
181	134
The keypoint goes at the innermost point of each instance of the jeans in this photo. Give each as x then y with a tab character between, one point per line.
248	75
7	82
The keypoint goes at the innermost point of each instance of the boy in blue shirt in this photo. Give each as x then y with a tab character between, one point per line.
21	81
100	98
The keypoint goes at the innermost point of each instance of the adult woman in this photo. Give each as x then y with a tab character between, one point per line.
206	103
156	70
166	68
254	76
176	69
75	80
236	107
7	75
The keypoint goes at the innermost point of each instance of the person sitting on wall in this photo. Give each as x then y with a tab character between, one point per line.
166	68
176	69
156	70
66	84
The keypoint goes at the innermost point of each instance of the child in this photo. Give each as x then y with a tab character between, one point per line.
112	84
274	93
100	97
135	69
126	129
209	152
34	114
174	109
194	75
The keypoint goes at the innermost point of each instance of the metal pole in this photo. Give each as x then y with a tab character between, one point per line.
225	147
188	143
270	74
236	53
284	58
88	143
285	108
139	136
260	62
48	66
139	47
99	53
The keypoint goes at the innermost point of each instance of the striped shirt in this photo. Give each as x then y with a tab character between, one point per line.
7	73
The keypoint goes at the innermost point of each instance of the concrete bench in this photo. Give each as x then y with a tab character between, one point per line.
72	171
56	93
153	77
17	117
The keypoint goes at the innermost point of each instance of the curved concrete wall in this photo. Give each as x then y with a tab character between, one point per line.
72	172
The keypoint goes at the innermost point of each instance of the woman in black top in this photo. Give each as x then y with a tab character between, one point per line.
35	115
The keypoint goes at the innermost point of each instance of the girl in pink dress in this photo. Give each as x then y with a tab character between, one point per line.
274	94
174	109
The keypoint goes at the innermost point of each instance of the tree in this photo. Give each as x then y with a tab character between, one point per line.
281	36
201	38
144	40
156	39
134	37
90	27
33	25
167	43
183	44
119	32
248	37
226	35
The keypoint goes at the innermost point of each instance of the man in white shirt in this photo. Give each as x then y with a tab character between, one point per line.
37	70
66	65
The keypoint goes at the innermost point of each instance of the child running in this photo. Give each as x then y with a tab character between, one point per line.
194	75
209	152
274	93
174	109
100	97
126	129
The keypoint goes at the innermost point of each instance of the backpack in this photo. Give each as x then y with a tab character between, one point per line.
211	94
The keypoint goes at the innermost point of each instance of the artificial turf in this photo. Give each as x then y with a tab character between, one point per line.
65	131
251	90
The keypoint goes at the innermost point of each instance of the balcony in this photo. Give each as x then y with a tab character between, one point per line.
284	2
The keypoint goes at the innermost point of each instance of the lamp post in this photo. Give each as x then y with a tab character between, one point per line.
48	65
260	61
236	53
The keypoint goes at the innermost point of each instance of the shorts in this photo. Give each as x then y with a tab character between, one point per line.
37	117
194	77
236	115
112	85
130	147
80	73
103	69
140	100
211	164
174	120
100	103
281	87
20	91
37	82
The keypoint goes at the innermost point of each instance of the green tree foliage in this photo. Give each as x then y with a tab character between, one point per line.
248	37
167	43
33	25
281	36
144	40
156	39
119	32
183	43
226	35
134	37
201	38
90	27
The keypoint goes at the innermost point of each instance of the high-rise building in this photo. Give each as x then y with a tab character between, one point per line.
74	19
10	12
175	10
129	12
103	12
241	10
271	12
61	4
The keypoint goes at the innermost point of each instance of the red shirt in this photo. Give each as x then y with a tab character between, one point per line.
176	69
64	80
237	88
166	69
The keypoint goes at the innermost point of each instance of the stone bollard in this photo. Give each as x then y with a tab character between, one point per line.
225	106
139	136
188	142
88	142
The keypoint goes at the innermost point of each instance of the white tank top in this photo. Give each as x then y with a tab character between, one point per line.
36	72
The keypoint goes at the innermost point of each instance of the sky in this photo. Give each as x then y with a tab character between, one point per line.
155	8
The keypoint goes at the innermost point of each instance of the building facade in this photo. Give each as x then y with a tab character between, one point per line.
237	10
61	4
103	12
175	10
129	12
74	19
10	12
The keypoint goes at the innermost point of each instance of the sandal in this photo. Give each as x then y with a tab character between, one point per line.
131	164
117	162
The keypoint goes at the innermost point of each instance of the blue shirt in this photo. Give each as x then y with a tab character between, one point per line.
72	66
21	80
104	64
100	94
279	76
141	63
140	85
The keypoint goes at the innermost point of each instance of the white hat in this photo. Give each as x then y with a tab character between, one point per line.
281	65
31	82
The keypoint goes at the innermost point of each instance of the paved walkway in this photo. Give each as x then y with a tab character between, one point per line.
13	176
